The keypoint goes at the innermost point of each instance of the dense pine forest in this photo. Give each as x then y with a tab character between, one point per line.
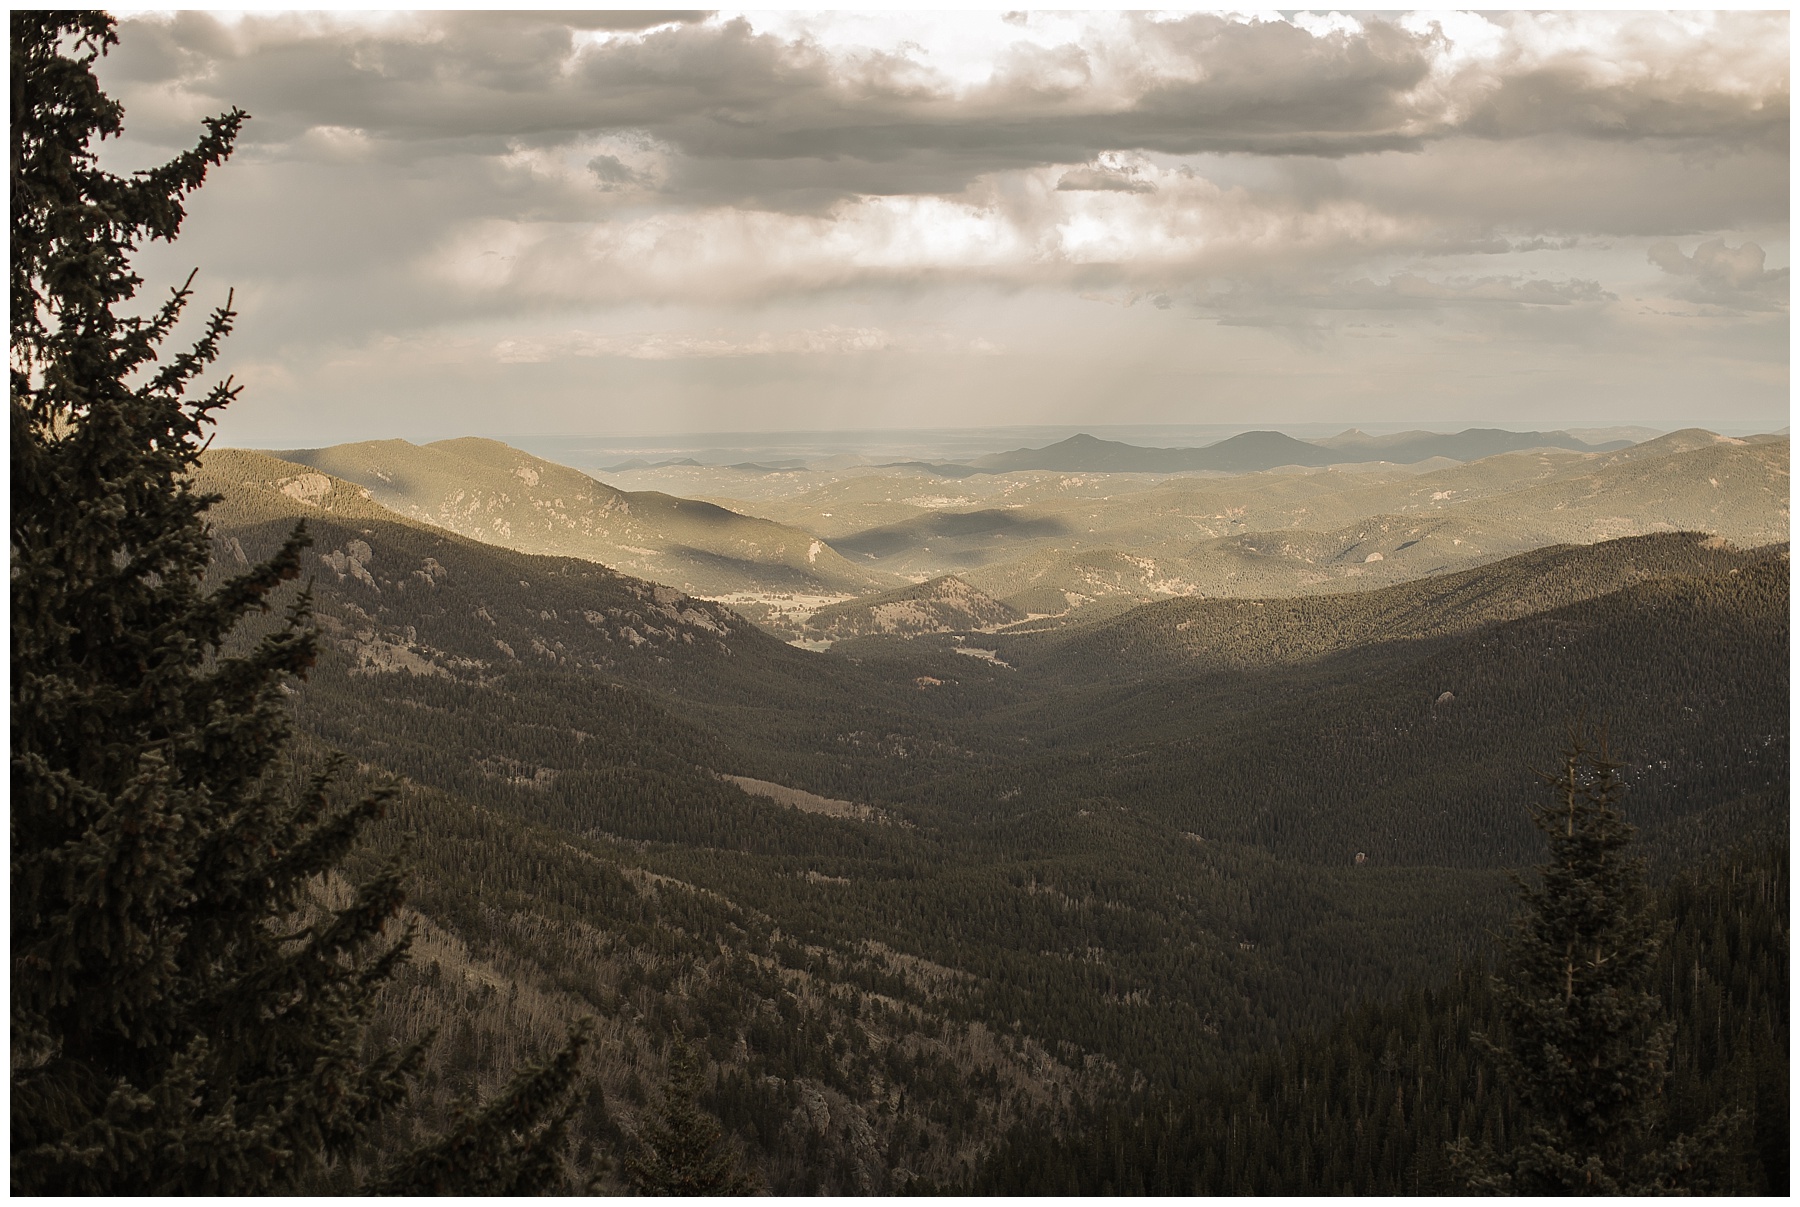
1369	1104
354	854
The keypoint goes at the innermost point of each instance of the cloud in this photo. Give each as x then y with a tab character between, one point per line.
614	173
1558	186
735	157
1412	290
1018	230
560	121
505	196
830	340
1722	274
826	341
627	19
1721	77
949	103
1297	309
1103	178
1714	263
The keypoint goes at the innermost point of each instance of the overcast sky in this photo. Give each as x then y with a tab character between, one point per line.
610	223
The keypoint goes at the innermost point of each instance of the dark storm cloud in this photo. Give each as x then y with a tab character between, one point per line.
456	75
1272	88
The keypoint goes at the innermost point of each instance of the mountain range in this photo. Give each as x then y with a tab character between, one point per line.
1053	543
1250	452
1286	534
921	893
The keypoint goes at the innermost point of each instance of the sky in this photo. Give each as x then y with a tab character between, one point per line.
520	224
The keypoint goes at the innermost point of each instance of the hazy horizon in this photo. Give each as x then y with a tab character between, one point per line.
586	450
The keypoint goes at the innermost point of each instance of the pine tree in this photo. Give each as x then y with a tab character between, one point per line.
179	1026
1587	1049
512	1146
682	1149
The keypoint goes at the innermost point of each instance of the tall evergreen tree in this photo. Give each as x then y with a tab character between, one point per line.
1587	1050
682	1150
186	1018
177	1025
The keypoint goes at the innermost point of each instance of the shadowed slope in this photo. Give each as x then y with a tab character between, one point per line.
1190	635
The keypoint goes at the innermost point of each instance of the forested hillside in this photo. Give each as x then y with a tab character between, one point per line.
1062	888
494	493
1367	1106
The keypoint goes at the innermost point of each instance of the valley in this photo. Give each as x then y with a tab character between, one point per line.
926	867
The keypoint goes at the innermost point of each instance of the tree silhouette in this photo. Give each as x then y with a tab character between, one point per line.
186	1015
1587	1049
176	1027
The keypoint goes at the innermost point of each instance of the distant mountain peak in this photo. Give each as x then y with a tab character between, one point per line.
1259	437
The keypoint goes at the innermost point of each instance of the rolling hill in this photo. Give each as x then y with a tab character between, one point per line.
494	493
1391	530
1050	543
1471	444
943	605
1200	635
